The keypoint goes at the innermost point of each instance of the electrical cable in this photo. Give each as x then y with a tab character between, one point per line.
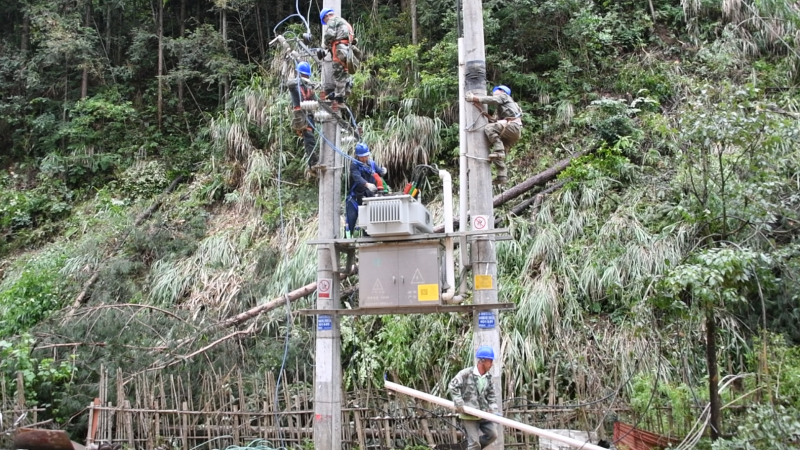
288	305
258	444
650	400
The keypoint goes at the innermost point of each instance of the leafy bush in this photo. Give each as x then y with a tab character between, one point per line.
30	295
142	180
650	402
607	161
764	428
29	209
42	377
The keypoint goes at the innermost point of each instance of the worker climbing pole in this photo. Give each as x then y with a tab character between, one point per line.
482	250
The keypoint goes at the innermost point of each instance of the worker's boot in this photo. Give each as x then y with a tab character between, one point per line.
502	173
498	151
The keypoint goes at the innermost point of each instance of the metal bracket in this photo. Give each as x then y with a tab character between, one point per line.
378	311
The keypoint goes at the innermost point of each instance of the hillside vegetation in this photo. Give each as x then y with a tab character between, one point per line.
142	203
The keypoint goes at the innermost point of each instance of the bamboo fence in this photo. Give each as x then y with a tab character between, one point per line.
215	410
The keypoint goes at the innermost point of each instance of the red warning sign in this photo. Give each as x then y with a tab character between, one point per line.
324	288
480	223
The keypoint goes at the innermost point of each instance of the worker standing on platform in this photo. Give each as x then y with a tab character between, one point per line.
473	387
301	88
504	131
365	181
341	42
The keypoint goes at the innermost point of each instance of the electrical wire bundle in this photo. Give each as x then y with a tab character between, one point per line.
418	178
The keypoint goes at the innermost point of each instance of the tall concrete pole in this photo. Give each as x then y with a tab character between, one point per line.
328	369
486	329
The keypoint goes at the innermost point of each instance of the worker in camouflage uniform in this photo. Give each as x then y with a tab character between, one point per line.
341	42
504	130
473	387
301	88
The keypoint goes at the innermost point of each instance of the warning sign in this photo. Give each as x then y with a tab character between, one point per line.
377	288
428	292
324	288
417	278
480	223
483	282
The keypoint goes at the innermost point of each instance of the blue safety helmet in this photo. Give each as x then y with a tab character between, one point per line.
324	13
362	150
502	88
304	68
485	352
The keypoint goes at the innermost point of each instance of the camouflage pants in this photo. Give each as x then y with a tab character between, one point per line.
480	433
340	75
502	135
302	123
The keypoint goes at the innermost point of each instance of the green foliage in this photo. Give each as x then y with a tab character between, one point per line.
778	368
100	123
31	293
607	162
650	401
42	376
714	277
764	427
142	180
30	215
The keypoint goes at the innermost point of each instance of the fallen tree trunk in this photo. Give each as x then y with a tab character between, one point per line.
268	306
539	179
536	199
536	180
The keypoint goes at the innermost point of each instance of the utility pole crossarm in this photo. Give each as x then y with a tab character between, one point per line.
528	429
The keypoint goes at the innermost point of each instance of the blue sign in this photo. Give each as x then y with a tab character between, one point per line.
485	319
324	323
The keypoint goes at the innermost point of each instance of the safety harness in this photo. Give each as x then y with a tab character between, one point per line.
346	41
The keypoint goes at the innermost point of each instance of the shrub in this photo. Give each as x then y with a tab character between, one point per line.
30	295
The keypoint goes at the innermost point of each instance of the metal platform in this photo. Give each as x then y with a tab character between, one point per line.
499	234
407	310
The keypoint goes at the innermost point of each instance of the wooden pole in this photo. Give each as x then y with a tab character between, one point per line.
493	418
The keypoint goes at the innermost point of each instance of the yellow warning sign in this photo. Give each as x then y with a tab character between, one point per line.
428	292
483	282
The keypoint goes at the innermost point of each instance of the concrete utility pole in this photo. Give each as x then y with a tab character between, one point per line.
328	369
486	329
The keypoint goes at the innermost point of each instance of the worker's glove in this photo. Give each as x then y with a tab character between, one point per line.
460	409
470	97
384	171
372	187
321	54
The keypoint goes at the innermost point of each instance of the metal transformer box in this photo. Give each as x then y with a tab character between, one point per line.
399	275
397	215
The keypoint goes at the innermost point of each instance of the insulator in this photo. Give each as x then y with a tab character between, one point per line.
309	105
322	116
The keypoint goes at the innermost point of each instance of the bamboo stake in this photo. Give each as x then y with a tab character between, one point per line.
362	441
184	428
129	424
492	418
235	425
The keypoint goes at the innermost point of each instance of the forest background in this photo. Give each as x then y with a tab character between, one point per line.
661	265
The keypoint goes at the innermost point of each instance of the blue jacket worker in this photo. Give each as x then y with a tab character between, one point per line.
365	181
